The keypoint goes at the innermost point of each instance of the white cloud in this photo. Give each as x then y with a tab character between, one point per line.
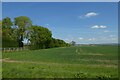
91	39
91	14
96	26
97	39
103	26
86	39
67	40
80	38
112	35
47	25
99	26
88	15
114	38
109	39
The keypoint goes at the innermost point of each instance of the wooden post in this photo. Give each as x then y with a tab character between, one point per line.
4	49
9	50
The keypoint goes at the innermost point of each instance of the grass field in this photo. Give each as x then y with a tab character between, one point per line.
65	62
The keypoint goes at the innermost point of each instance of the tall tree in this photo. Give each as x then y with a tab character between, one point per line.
7	23
8	35
0	27
58	43
22	23
0	33
40	37
6	27
0	24
73	43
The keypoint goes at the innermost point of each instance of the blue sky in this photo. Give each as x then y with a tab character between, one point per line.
88	22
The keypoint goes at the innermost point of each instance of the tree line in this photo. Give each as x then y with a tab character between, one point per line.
37	37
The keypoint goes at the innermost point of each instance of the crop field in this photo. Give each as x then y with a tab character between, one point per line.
64	62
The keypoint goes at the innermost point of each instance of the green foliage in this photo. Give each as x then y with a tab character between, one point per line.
9	38
58	43
22	22
7	23
0	33
39	37
0	24
7	42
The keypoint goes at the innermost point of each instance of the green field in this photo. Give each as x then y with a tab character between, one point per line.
65	62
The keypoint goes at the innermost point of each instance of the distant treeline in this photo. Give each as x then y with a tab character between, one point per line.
37	37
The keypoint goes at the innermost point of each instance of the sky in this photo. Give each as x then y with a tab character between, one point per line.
82	22
60	0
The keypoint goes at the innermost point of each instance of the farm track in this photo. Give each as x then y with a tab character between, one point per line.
57	64
79	51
